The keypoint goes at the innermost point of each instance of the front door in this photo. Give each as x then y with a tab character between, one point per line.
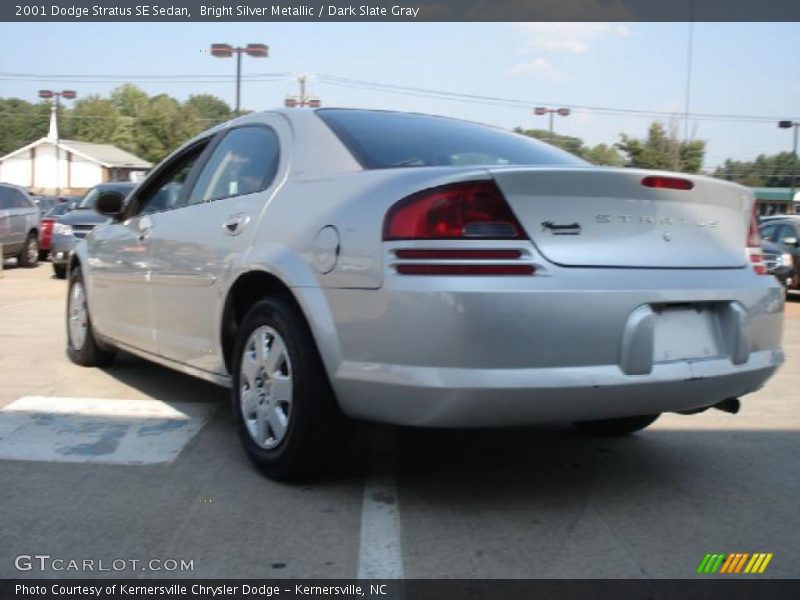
121	255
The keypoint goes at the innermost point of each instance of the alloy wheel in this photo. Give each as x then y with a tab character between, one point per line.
78	315
265	387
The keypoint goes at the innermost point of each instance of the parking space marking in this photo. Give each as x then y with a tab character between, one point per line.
380	555
98	430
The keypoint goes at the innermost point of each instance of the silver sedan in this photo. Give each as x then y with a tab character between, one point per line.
335	264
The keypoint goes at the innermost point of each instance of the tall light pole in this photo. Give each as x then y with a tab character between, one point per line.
795	125
55	99
302	99
226	51
541	110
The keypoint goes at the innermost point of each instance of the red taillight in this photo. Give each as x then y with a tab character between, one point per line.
754	251
471	210
667	183
458	254
445	269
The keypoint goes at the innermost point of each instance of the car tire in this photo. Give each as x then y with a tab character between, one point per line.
60	271
614	427
28	257
287	416
43	254
82	345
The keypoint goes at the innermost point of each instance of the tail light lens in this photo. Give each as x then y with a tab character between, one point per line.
456	269
754	251
471	210
474	210
667	183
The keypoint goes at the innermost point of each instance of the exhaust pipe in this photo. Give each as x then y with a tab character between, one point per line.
729	405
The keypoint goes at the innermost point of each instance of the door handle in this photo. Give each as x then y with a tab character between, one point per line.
235	224
145	227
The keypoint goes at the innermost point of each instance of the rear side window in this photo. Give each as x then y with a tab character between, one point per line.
244	162
18	199
786	231
23	202
381	140
768	232
5	197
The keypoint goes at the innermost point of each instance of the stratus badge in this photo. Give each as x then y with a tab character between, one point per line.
570	229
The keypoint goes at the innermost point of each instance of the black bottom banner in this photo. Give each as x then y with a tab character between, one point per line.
410	589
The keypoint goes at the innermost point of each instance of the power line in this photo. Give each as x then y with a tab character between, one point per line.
347	82
495	100
76	78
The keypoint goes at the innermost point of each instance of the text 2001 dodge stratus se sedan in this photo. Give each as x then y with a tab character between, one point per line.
333	264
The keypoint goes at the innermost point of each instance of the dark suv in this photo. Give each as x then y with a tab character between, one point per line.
78	223
782	249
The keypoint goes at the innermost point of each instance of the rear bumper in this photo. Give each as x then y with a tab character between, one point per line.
564	346
431	397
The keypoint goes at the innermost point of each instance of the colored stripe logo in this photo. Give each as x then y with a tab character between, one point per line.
738	562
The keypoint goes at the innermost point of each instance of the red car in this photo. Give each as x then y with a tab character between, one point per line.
46	231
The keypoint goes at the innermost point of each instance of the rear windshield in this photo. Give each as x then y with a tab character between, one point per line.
381	140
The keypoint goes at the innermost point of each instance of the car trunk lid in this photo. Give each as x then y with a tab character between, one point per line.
606	217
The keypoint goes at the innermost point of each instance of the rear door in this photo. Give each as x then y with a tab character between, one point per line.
605	217
196	244
6	236
18	212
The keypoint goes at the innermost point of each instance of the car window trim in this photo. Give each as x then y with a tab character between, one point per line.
134	207
221	136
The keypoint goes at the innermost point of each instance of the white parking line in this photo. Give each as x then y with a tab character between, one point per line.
97	430
380	554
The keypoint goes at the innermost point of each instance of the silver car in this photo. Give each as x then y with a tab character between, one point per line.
334	264
20	222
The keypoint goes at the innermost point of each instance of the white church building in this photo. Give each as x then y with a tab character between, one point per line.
51	165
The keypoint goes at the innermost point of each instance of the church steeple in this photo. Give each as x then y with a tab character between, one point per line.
53	133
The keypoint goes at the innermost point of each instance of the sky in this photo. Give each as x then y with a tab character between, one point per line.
737	69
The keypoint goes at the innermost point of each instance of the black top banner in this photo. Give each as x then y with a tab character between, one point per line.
400	10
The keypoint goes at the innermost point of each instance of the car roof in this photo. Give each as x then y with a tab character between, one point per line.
112	184
779	219
15	187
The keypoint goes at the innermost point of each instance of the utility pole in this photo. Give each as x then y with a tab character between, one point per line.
55	98
562	112
302	99
226	51
794	125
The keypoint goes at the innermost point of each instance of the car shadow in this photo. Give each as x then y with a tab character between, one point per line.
163	384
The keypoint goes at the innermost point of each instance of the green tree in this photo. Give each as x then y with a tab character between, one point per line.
210	109
661	150
571	144
129	100
767	171
163	125
22	123
92	119
605	155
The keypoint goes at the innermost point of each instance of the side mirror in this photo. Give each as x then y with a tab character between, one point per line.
790	241
109	203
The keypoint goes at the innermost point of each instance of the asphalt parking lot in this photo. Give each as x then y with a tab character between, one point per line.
534	502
